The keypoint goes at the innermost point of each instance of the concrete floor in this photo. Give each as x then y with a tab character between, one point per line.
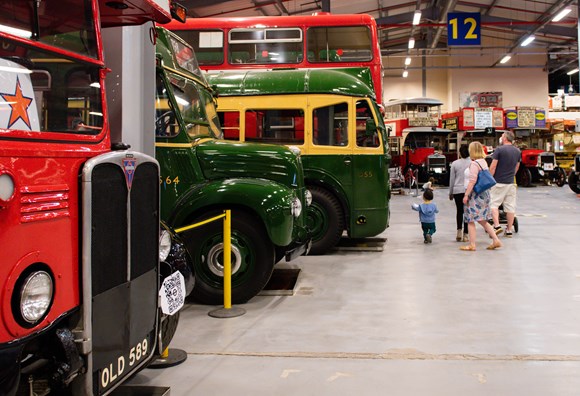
414	319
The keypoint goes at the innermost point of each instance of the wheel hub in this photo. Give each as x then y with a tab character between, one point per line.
215	258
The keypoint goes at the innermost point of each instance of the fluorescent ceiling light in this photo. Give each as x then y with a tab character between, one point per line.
407	61
411	43
528	40
15	31
405	74
572	72
505	59
562	14
417	17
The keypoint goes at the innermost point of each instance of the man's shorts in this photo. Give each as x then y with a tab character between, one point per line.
504	194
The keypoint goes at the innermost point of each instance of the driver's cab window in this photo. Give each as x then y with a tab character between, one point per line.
363	115
165	122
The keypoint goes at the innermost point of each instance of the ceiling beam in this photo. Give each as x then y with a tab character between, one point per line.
543	20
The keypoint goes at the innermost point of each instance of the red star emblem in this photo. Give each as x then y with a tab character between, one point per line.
19	105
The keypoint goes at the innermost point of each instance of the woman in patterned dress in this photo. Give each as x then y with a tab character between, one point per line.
476	206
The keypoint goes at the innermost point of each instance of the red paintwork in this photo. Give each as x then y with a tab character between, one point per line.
304	21
40	223
530	157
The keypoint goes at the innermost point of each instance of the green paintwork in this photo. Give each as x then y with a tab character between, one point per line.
261	178
360	194
354	81
359	181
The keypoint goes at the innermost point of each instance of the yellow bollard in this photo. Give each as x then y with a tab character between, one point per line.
228	260
227	311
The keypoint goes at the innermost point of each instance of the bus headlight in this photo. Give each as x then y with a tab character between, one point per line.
295	150
308	196
35	296
6	188
164	245
296	207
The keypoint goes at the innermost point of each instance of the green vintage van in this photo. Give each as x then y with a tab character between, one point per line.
202	175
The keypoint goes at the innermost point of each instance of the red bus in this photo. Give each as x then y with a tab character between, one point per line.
322	40
417	141
79	278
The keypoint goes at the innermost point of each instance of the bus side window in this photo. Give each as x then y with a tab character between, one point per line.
251	130
331	128
364	113
230	122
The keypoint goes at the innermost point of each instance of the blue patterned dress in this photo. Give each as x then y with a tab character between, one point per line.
477	208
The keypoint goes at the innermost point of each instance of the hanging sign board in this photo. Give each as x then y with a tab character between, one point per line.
463	28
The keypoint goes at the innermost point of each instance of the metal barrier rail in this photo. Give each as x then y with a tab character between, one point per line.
227	311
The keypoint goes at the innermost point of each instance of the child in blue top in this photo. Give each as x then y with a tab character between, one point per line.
427	212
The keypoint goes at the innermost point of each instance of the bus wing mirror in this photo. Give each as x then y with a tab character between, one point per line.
371	127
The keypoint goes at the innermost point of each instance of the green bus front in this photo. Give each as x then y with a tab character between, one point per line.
333	118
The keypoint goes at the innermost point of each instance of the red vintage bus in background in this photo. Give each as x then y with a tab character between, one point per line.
322	40
79	235
418	143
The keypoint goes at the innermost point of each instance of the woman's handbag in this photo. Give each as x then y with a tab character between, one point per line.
484	182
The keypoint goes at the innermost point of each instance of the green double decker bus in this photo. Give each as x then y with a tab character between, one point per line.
332	116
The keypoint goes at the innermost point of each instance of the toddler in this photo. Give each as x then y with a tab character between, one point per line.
427	211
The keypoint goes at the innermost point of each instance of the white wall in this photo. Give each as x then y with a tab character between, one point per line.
519	86
522	80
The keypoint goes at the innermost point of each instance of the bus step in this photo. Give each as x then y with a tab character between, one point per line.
361	244
141	390
282	282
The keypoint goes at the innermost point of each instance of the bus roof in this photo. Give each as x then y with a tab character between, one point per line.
352	81
269	21
414	101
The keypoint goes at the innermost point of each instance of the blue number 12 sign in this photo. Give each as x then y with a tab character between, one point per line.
463	28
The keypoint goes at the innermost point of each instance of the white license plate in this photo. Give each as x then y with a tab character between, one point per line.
438	170
172	293
548	166
126	362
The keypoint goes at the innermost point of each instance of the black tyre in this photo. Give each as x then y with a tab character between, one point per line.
168	328
325	220
560	177
524	177
516	226
252	258
573	182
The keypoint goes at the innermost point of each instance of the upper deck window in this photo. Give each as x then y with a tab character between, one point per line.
265	45
339	44
66	24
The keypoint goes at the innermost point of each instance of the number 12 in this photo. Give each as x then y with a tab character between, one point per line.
470	34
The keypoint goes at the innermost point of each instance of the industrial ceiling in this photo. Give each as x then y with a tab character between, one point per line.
505	25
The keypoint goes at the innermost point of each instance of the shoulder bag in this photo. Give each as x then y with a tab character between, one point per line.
484	182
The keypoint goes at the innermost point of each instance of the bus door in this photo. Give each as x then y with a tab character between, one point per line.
370	166
330	148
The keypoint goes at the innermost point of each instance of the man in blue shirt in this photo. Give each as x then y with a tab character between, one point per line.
504	166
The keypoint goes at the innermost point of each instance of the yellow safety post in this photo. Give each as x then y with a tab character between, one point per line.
227	311
228	260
